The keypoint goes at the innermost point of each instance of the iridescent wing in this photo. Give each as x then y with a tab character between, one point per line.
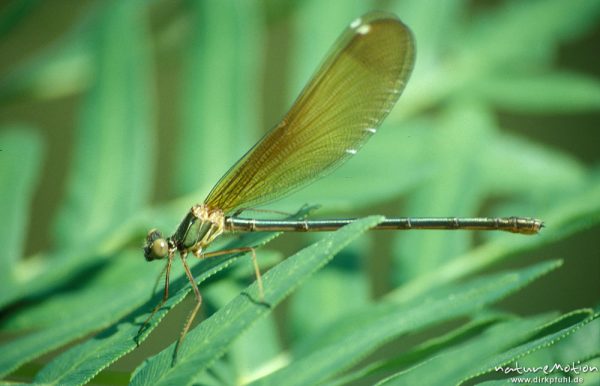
336	113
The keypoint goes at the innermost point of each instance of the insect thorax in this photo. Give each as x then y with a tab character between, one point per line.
199	228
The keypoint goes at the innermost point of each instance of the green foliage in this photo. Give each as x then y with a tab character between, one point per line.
499	345
20	167
212	337
82	296
114	144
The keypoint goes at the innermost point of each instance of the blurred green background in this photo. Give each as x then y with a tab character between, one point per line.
118	116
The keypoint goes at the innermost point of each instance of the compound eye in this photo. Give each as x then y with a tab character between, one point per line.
159	248
156	246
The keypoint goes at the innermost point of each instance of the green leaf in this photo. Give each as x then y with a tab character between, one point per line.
575	213
521	168
82	362
491	43
481	355
567	325
56	268
582	345
244	361
449	367
20	158
339	289
211	338
435	24
467	128
65	67
345	343
73	315
221	91
559	92
110	175
14	13
425	350
317	24
498	39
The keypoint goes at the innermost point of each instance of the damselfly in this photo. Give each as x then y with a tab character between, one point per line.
340	108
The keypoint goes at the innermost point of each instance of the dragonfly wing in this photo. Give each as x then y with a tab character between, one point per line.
340	108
